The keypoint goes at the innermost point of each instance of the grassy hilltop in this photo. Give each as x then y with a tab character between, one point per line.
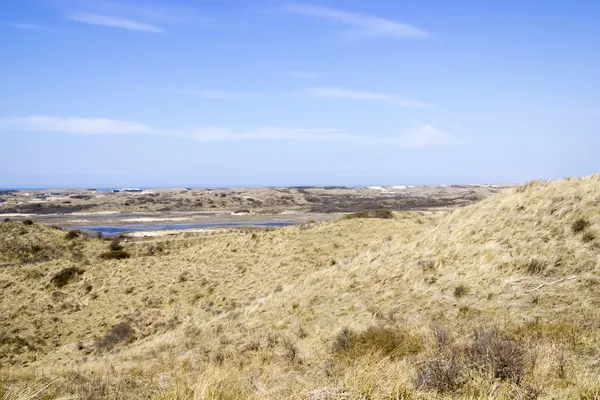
496	300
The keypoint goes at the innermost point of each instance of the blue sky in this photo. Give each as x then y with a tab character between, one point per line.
268	92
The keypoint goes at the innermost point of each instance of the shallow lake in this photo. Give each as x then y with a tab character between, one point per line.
111	230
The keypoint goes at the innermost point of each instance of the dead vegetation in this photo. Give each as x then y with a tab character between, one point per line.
497	300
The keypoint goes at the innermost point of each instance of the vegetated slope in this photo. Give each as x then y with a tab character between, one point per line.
28	242
495	300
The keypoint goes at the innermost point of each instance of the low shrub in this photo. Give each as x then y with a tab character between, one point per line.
383	214
27	222
72	234
579	225
66	275
460	290
115	244
384	341
122	332
505	358
442	375
6	219
115	255
588	237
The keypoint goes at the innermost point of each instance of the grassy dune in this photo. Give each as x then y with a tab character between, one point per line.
497	300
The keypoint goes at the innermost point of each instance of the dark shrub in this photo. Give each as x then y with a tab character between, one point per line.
72	234
66	275
343	340
28	222
384	214
115	244
442	375
505	358
115	255
122	332
580	225
6	220
99	235
460	290
588	237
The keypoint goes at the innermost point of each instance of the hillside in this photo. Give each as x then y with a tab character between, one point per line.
496	300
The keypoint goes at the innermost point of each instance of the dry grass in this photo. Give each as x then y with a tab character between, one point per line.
498	300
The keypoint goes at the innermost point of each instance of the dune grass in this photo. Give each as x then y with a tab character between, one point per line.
497	300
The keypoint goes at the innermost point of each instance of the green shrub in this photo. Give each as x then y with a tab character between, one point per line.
66	275
27	222
383	214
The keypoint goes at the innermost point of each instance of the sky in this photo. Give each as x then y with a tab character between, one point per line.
274	92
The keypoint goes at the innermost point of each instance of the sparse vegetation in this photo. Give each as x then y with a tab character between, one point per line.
66	275
383	214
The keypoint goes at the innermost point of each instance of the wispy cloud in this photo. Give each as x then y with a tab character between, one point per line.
219	134
76	125
424	135
344	94
360	25
30	27
115	22
306	75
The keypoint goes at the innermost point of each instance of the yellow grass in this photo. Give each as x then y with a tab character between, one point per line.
355	309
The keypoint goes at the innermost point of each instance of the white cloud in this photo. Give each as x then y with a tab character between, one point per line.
361	25
83	126
422	136
115	22
425	136
344	94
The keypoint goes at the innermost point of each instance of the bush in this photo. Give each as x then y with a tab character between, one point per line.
442	375
505	358
115	244
122	332
72	234
460	290
588	237
385	341
27	222
115	255
66	275
384	214
580	225
6	219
